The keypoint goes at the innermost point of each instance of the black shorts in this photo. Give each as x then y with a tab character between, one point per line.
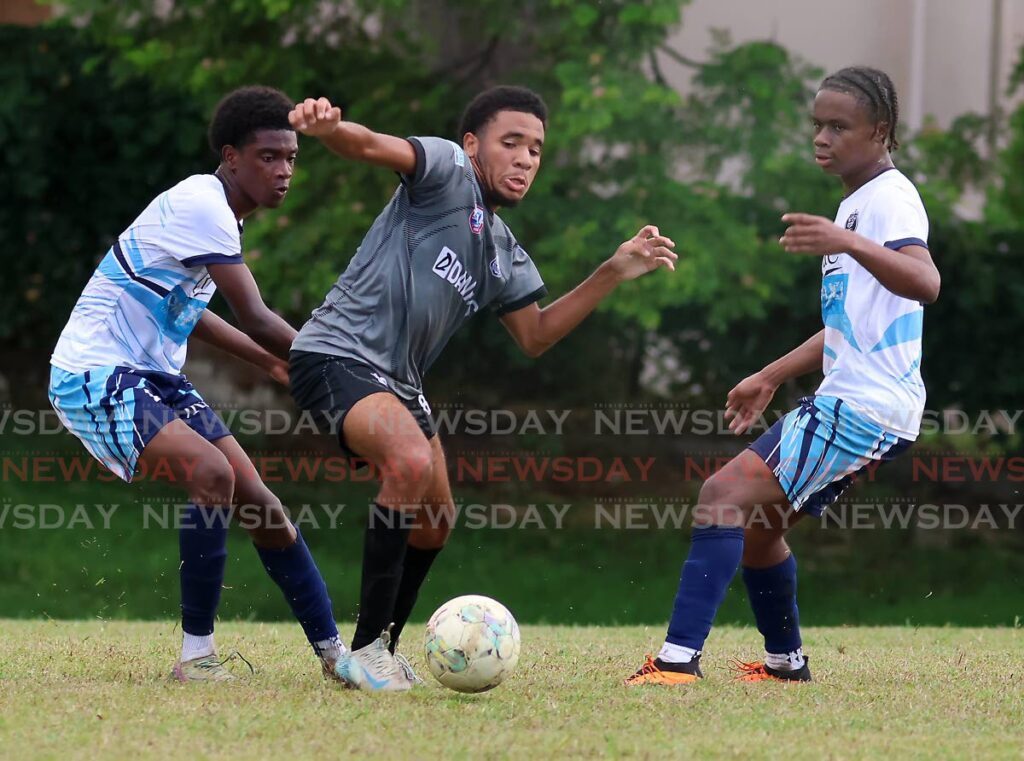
329	386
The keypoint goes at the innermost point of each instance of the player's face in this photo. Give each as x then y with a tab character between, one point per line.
846	140
263	167
506	155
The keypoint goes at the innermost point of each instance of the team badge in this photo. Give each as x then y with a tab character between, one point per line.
851	221
476	220
495	267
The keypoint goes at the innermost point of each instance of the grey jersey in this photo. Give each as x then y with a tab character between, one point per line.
435	256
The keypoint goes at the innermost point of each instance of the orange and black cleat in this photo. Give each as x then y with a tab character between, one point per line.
759	672
657	671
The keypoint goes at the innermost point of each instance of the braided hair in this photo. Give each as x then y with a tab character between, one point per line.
875	90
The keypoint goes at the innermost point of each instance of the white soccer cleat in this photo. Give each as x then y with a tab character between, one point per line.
374	669
209	668
404	664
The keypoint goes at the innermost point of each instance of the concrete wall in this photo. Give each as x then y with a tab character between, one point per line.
942	70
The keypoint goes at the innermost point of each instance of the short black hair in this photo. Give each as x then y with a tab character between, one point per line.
502	98
243	112
875	90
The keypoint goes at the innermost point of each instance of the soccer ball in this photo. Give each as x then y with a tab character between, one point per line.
472	643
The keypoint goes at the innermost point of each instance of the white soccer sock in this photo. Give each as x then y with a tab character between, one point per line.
670	653
329	649
196	646
793	661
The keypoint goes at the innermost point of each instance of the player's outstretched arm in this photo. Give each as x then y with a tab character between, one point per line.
255	319
751	396
213	330
318	118
536	330
912	276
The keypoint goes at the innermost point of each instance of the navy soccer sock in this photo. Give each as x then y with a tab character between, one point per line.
772	593
203	546
715	553
293	570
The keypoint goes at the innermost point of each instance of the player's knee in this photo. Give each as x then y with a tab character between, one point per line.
411	471
264	514
717	503
213	482
434	524
433	537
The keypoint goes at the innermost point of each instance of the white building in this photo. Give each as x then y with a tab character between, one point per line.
946	57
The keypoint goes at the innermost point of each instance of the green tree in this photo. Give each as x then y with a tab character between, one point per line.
81	152
615	141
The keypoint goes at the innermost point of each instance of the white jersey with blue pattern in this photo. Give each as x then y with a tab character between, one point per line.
872	357
151	288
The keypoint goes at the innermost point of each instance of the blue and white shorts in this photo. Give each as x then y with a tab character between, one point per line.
116	411
817	449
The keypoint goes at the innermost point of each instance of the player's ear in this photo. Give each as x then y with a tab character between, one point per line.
881	133
470	144
229	157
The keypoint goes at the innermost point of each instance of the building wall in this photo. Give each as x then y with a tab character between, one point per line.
942	71
26	12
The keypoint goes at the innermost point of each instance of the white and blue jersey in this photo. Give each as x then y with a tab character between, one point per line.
869	406
149	291
872	357
116	378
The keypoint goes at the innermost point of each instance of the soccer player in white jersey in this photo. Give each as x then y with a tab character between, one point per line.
116	379
876	275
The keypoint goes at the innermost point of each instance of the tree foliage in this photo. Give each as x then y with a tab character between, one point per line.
715	170
81	153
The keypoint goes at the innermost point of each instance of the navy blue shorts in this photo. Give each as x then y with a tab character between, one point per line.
116	411
817	450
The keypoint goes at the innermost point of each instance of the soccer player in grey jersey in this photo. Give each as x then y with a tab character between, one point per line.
437	254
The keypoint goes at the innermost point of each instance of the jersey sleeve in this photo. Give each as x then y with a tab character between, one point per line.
524	287
904	221
200	230
439	163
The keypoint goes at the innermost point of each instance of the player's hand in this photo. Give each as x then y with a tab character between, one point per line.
315	117
643	253
747	401
808	234
279	372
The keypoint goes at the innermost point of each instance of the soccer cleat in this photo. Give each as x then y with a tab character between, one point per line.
209	668
759	672
373	668
404	664
657	671
330	669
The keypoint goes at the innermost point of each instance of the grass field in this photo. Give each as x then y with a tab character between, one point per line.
97	689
